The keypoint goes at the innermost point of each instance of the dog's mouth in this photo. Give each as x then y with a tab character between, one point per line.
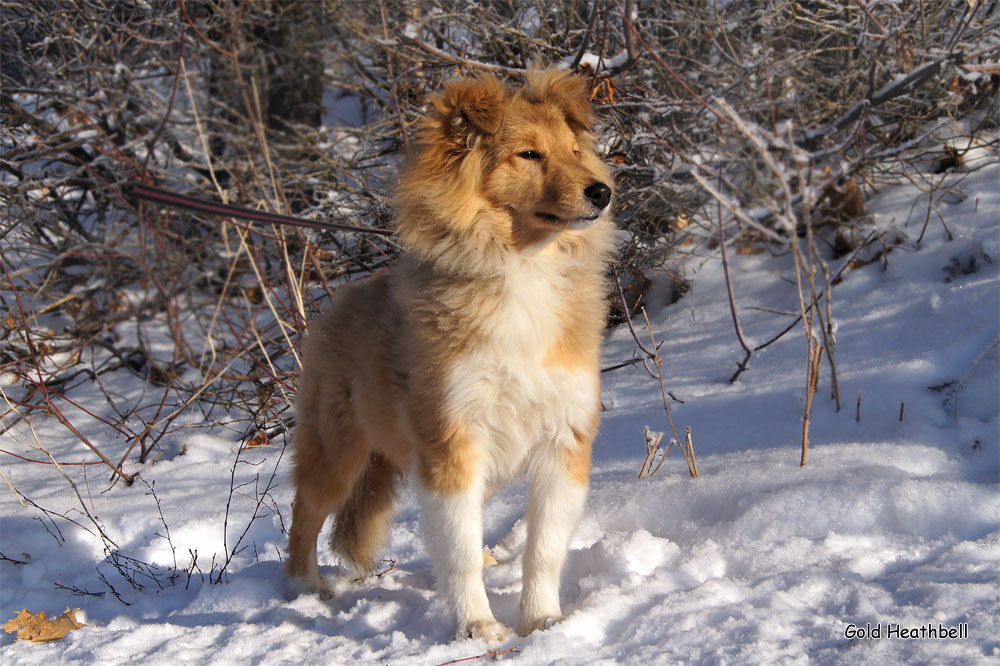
549	217
575	223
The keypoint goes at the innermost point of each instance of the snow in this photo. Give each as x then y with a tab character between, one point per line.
894	521
599	63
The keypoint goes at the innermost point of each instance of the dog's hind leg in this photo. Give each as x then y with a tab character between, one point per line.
362	523
325	473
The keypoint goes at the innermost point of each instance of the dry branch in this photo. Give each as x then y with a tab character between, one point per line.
492	653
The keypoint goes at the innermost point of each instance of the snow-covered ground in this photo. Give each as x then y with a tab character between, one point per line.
893	524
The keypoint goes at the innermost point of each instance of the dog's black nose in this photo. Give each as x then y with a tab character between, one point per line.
599	194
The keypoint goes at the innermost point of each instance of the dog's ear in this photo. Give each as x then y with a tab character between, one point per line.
572	94
569	92
471	108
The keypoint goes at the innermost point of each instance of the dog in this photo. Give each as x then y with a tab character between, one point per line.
472	361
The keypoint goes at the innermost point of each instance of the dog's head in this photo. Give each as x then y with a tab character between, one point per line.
526	155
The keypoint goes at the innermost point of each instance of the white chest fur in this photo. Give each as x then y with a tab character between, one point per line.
516	409
516	404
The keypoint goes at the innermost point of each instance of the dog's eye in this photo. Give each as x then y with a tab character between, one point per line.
530	155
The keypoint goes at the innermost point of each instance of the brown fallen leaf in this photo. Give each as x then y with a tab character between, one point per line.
260	439
37	628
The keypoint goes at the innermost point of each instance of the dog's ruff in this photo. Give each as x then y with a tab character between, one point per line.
475	359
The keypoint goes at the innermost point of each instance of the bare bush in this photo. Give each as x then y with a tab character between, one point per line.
757	125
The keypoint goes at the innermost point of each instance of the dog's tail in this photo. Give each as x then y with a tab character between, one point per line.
361	525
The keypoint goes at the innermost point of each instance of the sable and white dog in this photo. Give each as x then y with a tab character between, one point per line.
474	360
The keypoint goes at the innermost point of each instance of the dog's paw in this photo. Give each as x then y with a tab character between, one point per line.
526	625
300	586
490	631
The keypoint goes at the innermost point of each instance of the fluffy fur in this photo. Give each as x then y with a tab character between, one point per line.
474	360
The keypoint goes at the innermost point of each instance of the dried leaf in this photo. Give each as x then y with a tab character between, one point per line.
745	248
37	628
258	440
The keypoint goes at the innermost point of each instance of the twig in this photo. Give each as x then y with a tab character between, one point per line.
151	144
166	528
103	579
890	91
390	568
690	450
655	357
664	65
454	60
45	392
80	592
49	462
492	653
392	77
585	40
652	446
259	500
201	35
663	394
963	382
628	313
11	559
812	378
623	364
742	365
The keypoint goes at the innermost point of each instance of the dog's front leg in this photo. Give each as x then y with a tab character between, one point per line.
555	504
453	531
